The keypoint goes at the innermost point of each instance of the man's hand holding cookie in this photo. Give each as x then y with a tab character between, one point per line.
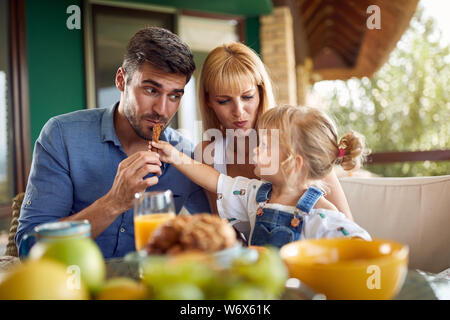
129	179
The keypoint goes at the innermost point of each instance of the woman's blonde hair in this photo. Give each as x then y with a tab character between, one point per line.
310	133
232	65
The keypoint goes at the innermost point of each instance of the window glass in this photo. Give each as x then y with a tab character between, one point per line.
113	29
202	35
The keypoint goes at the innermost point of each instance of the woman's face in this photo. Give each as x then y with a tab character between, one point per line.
236	110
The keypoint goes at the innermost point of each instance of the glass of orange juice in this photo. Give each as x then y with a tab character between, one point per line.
151	209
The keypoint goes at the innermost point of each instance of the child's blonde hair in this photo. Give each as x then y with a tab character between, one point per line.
312	134
231	66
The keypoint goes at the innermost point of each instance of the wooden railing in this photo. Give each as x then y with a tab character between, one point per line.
408	156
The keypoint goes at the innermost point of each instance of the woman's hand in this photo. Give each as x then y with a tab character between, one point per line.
167	152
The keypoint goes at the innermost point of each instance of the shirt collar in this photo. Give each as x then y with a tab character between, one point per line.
107	128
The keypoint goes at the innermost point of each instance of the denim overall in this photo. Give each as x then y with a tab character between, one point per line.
274	227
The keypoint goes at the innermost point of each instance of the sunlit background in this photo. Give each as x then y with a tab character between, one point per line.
405	106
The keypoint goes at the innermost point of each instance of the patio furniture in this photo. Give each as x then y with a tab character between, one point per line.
414	211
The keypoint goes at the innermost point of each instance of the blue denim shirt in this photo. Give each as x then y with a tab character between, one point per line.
74	163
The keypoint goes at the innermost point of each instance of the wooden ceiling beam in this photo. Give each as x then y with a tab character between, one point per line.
329	58
360	5
319	18
331	39
319	43
373	47
343	28
350	52
316	38
350	38
309	8
342	53
306	4
356	23
357	11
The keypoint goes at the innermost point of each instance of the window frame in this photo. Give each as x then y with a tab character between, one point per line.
20	99
88	26
408	156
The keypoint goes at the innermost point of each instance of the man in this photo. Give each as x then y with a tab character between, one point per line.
89	164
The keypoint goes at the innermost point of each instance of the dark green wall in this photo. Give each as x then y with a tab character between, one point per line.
56	54
252	33
249	8
55	62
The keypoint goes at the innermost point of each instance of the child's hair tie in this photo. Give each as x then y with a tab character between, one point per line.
341	153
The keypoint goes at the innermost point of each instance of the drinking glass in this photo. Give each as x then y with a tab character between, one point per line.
151	209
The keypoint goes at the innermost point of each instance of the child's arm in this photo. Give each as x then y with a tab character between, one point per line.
197	172
325	204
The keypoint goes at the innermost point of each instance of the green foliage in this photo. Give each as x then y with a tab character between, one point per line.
405	106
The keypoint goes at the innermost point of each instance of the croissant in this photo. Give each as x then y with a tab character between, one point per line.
199	232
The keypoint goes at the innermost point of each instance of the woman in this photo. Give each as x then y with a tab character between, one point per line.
234	91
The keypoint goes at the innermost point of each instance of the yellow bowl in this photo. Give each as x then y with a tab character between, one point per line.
348	268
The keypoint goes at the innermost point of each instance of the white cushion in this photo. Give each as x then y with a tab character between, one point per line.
414	211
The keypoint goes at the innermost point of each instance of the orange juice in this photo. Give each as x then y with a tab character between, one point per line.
144	225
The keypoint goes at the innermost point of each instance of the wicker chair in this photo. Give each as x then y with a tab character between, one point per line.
11	249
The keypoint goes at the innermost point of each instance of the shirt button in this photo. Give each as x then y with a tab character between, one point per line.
122	229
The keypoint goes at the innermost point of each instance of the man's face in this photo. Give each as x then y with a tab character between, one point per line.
150	97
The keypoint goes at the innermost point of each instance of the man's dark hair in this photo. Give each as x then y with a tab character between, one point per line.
160	48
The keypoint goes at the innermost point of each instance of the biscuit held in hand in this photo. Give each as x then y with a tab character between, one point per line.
157	128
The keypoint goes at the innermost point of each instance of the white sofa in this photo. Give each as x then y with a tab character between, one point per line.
414	211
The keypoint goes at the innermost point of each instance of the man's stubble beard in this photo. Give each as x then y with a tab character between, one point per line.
130	114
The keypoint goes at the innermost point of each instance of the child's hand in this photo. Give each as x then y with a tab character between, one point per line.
167	152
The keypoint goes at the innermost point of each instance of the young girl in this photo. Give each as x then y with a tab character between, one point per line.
285	205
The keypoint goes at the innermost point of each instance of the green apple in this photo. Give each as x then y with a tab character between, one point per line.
81	256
